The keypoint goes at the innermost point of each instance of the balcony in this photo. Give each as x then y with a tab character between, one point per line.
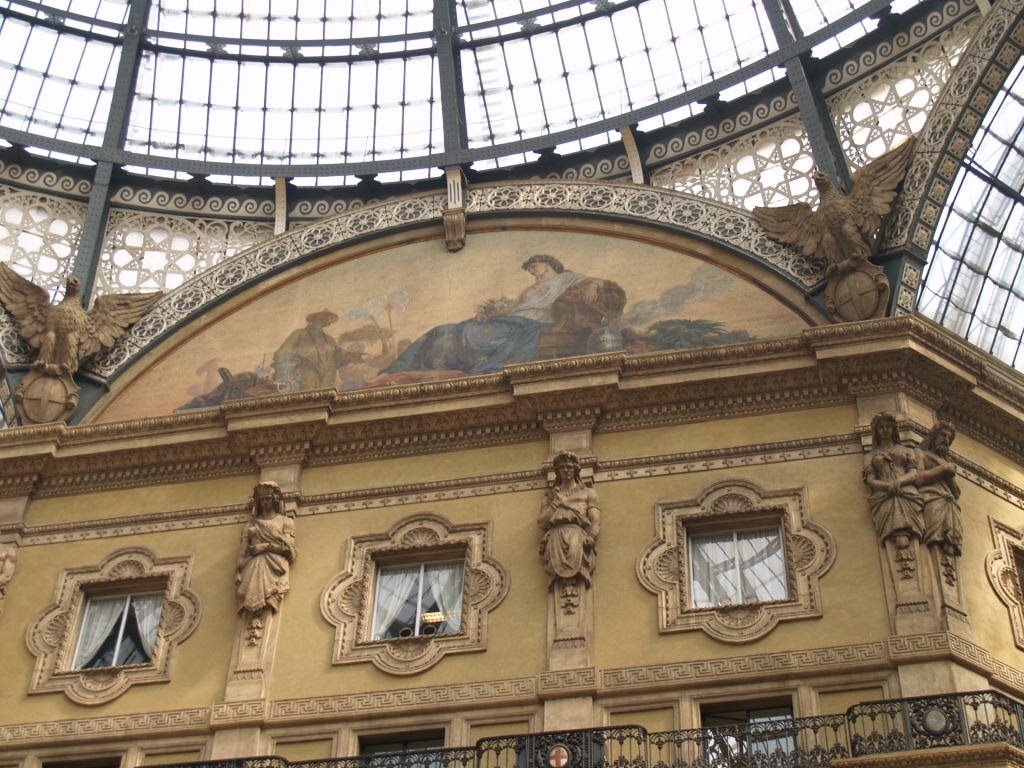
869	729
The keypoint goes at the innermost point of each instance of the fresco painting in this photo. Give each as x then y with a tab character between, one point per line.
414	314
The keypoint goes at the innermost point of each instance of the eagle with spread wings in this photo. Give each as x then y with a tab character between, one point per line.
837	231
65	333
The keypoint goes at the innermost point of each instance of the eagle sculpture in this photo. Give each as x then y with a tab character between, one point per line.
837	231
65	333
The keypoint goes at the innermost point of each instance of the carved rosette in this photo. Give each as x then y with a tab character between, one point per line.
663	568
347	601
52	636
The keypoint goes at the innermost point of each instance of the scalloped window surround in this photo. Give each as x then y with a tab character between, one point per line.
754	536
1005	569
56	635
349	600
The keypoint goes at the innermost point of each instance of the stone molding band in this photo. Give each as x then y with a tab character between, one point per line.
858	658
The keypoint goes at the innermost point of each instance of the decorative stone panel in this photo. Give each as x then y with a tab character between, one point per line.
1005	566
53	636
347	601
664	566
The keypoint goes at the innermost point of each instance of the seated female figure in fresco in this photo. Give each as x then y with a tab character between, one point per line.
565	305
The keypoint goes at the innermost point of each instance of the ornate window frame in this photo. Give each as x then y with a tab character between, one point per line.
347	600
1004	567
52	637
663	568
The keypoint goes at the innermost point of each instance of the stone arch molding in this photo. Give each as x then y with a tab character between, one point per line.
949	131
664	566
644	205
52	636
347	601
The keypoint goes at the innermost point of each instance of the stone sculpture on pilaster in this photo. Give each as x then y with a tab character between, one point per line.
895	502
570	520
265	558
8	562
943	525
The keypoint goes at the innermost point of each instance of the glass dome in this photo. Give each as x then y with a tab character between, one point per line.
327	91
158	133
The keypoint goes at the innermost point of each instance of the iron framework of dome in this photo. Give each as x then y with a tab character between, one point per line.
151	140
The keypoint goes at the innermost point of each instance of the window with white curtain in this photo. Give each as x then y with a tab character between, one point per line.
733	567
416	600
118	631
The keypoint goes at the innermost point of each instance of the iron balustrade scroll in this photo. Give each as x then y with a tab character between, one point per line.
930	722
877	727
807	742
624	747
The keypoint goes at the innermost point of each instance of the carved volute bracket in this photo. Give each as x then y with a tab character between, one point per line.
454	214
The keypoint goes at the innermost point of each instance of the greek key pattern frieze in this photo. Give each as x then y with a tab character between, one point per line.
358	704
814	660
101	727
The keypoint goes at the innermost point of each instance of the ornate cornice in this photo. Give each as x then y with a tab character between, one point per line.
823	366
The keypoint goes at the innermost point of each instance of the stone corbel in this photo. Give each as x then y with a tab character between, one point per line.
454	214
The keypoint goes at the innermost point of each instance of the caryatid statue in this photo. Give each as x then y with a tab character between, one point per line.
267	552
570	519
940	494
895	501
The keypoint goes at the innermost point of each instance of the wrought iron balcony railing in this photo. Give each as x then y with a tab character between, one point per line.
896	725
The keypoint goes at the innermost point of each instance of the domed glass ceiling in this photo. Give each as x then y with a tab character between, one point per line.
326	90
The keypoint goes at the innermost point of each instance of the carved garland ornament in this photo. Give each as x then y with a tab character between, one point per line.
347	601
664	566
52	637
1004	569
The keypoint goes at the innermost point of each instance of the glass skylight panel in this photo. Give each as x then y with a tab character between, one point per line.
974	285
109	11
285	112
54	84
299	20
563	76
813	15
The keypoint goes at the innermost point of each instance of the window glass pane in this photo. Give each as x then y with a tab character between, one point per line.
762	566
713	564
738	567
395	606
418	600
118	630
